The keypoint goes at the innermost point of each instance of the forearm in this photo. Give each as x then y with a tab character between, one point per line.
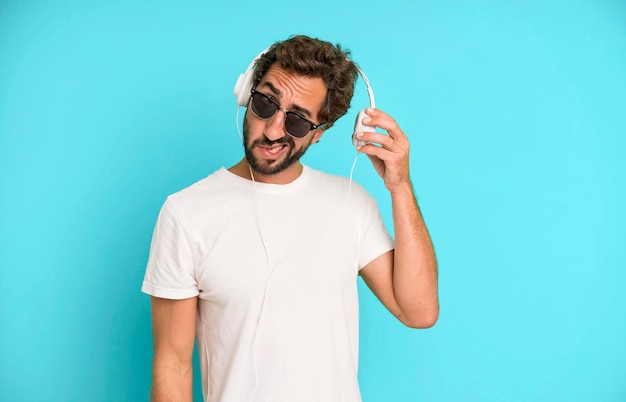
173	327
171	382
415	266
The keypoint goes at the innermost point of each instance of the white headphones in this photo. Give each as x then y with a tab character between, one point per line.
245	81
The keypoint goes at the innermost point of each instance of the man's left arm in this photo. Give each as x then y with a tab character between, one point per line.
404	279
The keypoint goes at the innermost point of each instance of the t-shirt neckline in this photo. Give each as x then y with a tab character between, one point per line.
267	187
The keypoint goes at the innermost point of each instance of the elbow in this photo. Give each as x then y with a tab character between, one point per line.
422	323
421	320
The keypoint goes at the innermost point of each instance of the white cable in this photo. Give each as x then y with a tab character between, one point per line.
267	262
260	227
351	172
238	129
370	93
267	278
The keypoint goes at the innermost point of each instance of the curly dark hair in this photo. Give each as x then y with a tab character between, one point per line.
315	58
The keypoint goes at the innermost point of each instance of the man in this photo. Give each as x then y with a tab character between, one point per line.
259	262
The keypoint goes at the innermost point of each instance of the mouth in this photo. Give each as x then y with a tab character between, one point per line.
275	150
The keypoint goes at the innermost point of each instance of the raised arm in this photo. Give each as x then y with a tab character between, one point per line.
173	327
405	280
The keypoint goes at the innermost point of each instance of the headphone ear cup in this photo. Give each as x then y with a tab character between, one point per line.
243	87
359	127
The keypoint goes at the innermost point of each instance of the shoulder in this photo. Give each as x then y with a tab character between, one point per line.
203	189
201	198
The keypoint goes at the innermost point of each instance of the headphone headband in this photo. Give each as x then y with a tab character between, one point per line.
370	91
246	80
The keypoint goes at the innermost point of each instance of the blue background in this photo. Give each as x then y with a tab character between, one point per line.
515	111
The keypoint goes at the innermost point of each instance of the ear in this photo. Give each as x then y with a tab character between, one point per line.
318	134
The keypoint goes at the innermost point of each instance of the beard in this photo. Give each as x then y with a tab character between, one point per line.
269	167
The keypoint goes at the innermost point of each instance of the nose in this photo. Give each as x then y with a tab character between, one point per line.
274	128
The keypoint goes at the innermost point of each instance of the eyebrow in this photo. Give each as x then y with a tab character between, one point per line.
297	108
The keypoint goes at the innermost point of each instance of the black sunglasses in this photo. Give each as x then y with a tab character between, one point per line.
265	107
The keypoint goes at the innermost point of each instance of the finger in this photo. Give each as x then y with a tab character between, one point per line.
381	139
392	161
392	155
380	119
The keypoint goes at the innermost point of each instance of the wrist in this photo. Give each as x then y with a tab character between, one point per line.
401	189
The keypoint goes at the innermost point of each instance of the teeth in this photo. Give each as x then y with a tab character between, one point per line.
275	149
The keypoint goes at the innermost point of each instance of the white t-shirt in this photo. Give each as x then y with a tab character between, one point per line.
274	268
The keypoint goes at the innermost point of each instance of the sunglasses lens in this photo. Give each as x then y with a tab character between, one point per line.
296	125
263	106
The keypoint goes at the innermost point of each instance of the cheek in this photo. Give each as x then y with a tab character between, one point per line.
316	137
300	145
254	123
253	126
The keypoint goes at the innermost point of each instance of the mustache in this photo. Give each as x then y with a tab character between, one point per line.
286	140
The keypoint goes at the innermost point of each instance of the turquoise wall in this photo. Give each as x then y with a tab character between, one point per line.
515	110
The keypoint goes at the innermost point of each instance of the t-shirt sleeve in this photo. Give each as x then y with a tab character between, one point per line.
170	272
375	239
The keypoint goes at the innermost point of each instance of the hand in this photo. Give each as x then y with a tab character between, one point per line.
391	158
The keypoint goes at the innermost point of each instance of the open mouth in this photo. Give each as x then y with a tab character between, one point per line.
274	150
